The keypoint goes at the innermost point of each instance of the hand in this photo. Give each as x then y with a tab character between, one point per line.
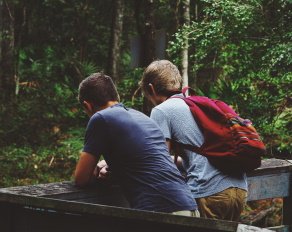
104	173
102	170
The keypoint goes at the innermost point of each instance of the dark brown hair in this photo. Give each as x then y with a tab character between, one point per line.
98	89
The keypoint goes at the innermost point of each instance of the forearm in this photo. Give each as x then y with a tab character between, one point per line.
84	172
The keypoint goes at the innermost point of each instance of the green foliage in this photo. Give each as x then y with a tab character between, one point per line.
24	165
129	89
247	58
46	99
55	46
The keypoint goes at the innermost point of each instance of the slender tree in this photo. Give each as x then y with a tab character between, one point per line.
7	58
149	34
117	29
148	44
184	54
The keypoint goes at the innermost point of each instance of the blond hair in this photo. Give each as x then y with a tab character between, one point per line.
164	76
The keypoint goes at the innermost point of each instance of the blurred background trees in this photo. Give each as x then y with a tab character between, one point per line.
238	51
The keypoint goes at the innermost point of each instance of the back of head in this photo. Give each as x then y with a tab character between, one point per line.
164	76
98	89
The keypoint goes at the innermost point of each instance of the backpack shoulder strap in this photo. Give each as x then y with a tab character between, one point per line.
218	103
225	108
186	89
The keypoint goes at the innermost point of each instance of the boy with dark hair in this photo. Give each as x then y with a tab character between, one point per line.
133	147
218	195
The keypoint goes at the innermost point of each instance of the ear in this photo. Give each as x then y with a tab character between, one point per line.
151	89
88	107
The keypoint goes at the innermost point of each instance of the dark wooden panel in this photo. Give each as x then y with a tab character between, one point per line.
287	212
32	219
6	216
268	186
287	206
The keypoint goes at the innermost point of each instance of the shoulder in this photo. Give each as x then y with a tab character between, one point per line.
167	110
107	114
96	117
96	120
172	106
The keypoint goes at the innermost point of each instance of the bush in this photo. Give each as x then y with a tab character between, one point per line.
25	165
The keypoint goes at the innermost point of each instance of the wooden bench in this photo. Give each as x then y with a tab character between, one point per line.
63	207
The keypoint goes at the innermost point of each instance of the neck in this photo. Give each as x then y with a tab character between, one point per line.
108	104
160	99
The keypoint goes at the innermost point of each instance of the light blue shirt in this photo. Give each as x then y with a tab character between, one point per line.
176	122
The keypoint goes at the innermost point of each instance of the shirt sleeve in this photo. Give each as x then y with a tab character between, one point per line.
163	122
95	141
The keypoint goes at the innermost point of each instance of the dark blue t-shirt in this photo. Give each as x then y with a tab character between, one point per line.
135	149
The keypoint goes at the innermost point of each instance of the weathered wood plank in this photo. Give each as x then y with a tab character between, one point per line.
52	189
99	193
272	166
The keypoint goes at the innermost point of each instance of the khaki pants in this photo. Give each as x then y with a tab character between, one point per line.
225	205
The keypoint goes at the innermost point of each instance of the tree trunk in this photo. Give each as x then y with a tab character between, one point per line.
184	54
175	8
7	58
117	28
148	46
149	35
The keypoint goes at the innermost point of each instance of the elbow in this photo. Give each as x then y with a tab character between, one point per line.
79	184
80	181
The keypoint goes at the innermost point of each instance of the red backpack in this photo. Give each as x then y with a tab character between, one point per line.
231	143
